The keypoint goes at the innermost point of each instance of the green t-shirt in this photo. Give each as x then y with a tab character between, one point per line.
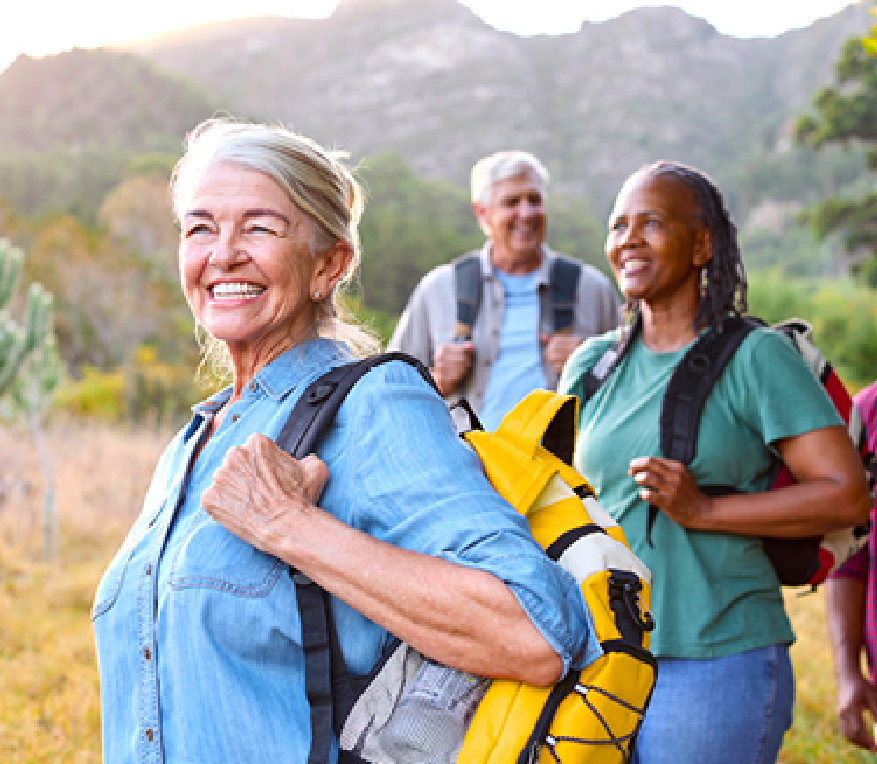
713	594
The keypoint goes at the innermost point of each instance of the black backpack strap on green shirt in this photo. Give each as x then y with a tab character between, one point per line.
563	286
330	690
687	390
795	560
607	362
691	383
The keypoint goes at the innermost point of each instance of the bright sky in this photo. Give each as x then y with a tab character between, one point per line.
38	27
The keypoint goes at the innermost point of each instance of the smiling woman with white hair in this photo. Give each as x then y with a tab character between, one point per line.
198	636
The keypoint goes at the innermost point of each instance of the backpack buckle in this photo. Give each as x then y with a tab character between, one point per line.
320	393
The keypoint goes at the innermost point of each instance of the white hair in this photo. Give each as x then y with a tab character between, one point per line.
501	166
315	180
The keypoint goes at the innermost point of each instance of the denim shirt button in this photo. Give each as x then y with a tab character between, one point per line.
253	386
149	735
148	570
146	653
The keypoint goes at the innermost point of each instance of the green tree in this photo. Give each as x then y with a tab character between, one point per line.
410	225
846	115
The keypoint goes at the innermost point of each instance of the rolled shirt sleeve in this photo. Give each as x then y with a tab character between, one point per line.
419	486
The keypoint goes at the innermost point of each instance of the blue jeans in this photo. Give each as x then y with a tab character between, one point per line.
732	710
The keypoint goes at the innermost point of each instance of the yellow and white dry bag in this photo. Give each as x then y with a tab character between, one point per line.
592	716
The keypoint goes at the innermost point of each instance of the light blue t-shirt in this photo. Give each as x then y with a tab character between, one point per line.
518	367
197	633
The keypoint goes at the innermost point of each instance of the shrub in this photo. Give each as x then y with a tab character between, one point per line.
98	395
843	316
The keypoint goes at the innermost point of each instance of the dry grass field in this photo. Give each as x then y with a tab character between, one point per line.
49	695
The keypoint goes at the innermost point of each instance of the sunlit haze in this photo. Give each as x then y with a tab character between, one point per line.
51	26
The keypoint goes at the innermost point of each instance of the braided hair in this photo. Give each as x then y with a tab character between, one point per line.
723	280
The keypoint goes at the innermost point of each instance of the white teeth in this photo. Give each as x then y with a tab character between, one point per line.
634	263
236	290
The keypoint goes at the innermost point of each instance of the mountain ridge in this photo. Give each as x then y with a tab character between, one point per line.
435	83
438	84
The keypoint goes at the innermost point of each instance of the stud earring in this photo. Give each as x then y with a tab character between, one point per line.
318	294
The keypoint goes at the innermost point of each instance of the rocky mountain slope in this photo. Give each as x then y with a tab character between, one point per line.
434	82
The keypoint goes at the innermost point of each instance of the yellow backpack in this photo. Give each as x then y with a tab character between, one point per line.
592	715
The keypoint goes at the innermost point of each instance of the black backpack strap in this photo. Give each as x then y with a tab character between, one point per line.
330	691
316	408
467	286
690	386
691	383
319	643
607	362
563	284
564	281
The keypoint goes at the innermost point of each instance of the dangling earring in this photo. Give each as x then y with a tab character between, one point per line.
704	280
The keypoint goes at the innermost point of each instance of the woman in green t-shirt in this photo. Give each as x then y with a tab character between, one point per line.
725	688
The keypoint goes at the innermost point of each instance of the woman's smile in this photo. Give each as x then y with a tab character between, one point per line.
230	291
246	262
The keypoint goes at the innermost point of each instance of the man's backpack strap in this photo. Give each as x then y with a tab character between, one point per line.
564	284
467	286
330	690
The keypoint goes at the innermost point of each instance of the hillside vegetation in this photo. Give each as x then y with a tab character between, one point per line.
432	82
416	92
71	125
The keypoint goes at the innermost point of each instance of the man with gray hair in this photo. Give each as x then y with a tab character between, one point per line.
501	321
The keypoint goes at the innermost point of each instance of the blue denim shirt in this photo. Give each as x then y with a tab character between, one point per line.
197	632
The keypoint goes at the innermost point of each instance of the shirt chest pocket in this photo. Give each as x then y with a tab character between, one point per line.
108	589
115	575
209	557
